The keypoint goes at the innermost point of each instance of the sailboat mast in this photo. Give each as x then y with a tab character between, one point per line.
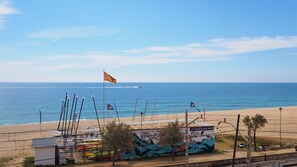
135	109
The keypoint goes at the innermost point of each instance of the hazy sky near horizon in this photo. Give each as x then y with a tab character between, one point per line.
148	40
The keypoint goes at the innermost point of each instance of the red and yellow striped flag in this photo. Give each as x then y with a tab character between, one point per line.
109	78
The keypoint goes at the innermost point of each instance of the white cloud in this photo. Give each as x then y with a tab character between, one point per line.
219	47
13	64
73	32
212	50
14	69
5	9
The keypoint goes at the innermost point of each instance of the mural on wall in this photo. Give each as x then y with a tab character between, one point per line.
201	139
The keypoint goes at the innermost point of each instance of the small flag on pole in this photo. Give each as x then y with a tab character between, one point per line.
192	104
109	107
109	78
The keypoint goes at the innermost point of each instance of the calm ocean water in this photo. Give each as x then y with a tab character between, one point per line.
21	102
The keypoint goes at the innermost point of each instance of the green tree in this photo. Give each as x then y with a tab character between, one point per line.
117	136
256	122
171	135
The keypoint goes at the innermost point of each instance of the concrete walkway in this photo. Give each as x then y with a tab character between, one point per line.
149	162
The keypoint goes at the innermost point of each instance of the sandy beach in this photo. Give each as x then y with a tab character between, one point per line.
15	140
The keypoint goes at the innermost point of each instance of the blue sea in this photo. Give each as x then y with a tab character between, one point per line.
20	102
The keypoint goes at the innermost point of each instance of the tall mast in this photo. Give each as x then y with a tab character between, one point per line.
135	109
145	107
103	98
96	113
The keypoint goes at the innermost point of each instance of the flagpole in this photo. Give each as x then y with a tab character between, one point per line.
109	78
116	110
103	105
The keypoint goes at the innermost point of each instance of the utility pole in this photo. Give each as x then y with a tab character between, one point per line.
249	140
280	127
248	164
187	141
235	142
187	136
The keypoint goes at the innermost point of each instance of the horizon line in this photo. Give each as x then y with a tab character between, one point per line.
143	82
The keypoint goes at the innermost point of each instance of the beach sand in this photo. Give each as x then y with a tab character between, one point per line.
15	140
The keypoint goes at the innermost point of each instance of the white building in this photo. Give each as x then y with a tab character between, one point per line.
45	151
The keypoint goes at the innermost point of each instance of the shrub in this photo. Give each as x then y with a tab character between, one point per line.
28	162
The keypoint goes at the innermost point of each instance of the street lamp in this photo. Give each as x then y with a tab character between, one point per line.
248	140
187	136
280	127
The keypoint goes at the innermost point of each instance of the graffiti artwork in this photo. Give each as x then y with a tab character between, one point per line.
201	139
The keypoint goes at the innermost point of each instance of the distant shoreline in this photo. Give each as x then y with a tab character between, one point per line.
158	115
21	101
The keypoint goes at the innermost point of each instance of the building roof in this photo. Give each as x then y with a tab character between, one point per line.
161	124
44	142
201	123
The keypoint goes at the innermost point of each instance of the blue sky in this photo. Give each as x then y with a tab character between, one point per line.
148	41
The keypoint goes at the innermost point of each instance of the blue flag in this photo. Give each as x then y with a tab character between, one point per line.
109	107
192	104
